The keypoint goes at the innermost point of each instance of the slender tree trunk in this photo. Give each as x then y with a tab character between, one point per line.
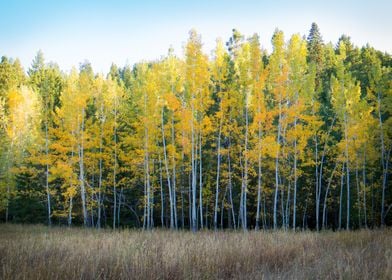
190	201
358	195
364	186
385	179
326	197
100	169
147	170
47	170
231	186
81	172
152	205
264	213
206	213
304	218
167	174
193	164
287	222
145	196
241	209
70	211
201	180
245	181
277	168
317	183
295	180
174	195
8	201
9	161
148	185
373	204
222	208
257	227
114	181
148	189
182	186
115	164
341	197
217	177
162	195
347	174
120	199
282	210
71	197
383	162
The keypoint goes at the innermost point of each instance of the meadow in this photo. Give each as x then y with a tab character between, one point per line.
40	252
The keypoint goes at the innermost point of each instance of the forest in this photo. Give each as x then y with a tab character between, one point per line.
296	138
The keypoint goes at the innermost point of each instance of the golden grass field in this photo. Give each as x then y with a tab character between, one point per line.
39	252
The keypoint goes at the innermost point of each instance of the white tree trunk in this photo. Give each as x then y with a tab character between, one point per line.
326	197
347	174
167	174
277	168
217	177
81	172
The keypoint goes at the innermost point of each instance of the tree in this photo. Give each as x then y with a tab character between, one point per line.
21	128
196	81
277	77
47	81
315	47
345	98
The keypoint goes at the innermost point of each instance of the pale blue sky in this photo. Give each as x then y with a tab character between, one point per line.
68	32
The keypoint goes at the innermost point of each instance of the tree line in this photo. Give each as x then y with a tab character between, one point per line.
241	139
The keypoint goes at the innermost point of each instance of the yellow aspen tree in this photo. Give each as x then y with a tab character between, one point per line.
277	78
345	97
197	82
259	109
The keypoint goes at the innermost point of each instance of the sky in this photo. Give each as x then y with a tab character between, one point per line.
126	32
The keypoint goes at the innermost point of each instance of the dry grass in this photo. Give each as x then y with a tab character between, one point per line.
37	252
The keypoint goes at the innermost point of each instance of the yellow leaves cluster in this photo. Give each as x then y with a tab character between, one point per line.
24	115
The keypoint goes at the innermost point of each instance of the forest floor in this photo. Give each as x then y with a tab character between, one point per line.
39	252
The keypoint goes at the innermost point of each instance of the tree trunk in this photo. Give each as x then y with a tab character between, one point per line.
383	161
47	171
245	181
341	197
326	197
161	188
70	211
317	183
217	177
231	186
81	172
358	195
120	199
115	163
295	179
277	169
364	186
9	161
200	181
347	173
167	173
257	227
193	164
100	173
174	195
